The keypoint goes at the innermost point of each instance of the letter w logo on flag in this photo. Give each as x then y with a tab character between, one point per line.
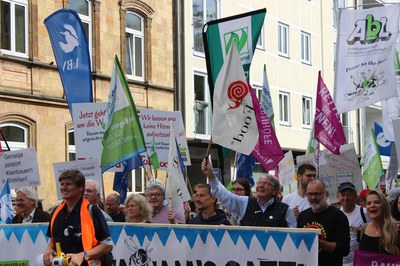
234	121
327	126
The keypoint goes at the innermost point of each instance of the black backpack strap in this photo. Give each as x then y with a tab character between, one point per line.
363	214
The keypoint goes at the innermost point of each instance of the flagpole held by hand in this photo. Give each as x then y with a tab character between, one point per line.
209	147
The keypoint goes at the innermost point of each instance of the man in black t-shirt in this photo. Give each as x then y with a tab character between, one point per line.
334	240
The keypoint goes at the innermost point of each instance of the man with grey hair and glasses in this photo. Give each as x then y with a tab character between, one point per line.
155	195
262	210
27	207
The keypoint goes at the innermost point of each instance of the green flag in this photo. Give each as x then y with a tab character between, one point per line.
371	162
123	136
153	155
218	36
312	143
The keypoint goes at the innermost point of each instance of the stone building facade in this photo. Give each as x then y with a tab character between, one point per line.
33	108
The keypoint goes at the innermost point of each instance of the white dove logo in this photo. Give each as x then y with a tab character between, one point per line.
382	141
71	39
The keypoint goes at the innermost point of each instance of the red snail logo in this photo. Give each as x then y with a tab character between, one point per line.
237	90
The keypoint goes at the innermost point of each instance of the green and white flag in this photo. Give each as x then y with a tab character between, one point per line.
218	36
153	158
266	101
123	137
371	162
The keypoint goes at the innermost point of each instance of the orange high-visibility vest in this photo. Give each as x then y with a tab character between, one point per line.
87	228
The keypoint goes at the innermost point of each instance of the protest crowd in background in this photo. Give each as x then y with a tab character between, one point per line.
354	204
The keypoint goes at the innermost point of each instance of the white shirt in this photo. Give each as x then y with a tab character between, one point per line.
28	219
294	199
355	221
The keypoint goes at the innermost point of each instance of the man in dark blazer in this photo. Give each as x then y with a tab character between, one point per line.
27	207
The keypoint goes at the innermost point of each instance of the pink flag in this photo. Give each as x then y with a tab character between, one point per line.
327	127
267	151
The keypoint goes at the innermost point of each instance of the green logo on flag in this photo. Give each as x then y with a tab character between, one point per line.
240	37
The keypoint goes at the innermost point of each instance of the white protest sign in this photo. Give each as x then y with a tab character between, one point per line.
88	131
156	123
20	168
286	169
337	169
90	168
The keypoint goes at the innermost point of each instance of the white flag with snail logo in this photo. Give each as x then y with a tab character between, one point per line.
234	122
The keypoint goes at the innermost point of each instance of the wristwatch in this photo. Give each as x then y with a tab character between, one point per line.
85	256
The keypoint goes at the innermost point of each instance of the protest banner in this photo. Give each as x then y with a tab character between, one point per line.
20	168
88	131
362	257
364	69
286	169
335	169
90	168
156	124
159	244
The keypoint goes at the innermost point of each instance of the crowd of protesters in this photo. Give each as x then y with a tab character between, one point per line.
367	221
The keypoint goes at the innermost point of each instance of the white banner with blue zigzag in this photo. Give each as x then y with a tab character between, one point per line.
156	244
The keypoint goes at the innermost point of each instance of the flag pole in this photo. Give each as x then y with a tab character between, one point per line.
104	191
188	182
4	139
209	147
169	192
234	167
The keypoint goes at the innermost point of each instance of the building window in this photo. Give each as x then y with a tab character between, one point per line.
305	47
136	181
283	39
71	146
203	11
202	105
14	27
16	136
258	91
284	108
84	10
306	111
348	131
134	46
260	42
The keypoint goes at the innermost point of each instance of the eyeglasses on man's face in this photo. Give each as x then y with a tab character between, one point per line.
155	195
314	194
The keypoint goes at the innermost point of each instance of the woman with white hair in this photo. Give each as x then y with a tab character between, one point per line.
27	207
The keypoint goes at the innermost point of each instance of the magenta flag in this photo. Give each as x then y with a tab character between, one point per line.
327	127
268	151
362	257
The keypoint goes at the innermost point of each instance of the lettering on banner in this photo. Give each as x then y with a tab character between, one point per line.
245	128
